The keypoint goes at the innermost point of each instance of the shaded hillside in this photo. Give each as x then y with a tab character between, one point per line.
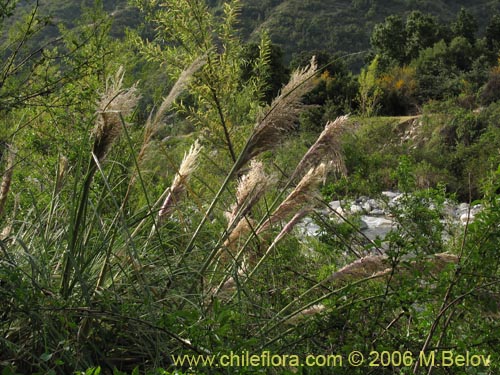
68	12
337	26
340	25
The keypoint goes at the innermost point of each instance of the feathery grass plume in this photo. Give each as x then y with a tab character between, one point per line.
303	194
7	178
291	224
153	122
361	268
238	235
281	115
114	102
378	267
434	264
250	189
62	170
313	310
277	120
179	86
327	148
186	169
441	260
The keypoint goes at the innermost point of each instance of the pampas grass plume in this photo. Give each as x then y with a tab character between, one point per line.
178	186
303	194
282	114
250	189
114	102
327	148
7	178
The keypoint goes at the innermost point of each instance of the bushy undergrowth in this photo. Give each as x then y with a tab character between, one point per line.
107	272
447	145
124	244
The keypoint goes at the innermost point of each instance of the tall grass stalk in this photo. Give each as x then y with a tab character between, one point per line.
114	103
7	178
277	120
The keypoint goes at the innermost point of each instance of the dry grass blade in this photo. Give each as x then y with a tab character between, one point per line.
186	169
7	178
327	148
303	194
282	114
115	102
8	229
291	224
286	229
62	170
229	286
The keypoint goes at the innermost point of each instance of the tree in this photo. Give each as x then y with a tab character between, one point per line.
224	104
278	72
461	53
422	31
493	33
437	75
389	39
369	89
465	25
32	69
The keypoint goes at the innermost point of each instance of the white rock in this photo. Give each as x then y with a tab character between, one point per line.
376	226
366	207
390	194
355	209
464	218
335	204
462	209
463	206
373	203
308	227
375	222
363	225
449	209
476	209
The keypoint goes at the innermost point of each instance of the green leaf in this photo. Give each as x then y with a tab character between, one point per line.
46	357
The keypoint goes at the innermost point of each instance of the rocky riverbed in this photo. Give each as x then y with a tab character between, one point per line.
375	214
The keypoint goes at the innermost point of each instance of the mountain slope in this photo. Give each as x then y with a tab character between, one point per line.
337	26
341	26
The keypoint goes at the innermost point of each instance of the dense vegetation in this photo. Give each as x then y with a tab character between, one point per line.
154	181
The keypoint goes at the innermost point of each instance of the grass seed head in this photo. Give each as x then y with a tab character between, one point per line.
178	186
327	148
114	102
7	178
282	114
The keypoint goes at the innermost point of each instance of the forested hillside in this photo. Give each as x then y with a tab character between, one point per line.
336	26
214	187
341	26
